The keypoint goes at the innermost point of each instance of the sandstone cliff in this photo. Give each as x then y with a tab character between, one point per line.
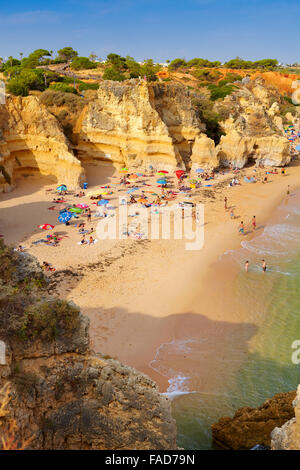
287	437
251	426
63	395
138	124
31	139
252	133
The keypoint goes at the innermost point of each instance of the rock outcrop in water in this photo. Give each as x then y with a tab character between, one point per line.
251	127
287	437
251	426
31	139
63	395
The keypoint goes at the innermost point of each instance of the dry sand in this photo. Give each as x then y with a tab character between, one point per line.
142	294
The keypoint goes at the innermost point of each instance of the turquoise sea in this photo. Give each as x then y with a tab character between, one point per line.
256	362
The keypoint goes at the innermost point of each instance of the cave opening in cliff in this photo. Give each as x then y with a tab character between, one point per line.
20	173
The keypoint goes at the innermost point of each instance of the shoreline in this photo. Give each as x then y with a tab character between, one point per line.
149	293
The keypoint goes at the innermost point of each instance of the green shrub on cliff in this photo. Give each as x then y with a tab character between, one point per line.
177	64
46	318
17	87
220	91
82	63
26	310
26	80
63	87
207	75
112	73
209	117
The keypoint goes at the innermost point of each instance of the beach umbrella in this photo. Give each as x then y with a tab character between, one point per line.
162	173
162	181
297	147
75	210
82	205
123	170
46	226
132	190
142	200
64	217
199	170
62	187
102	202
179	173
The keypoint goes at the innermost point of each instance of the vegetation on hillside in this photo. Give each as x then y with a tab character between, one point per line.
26	310
24	74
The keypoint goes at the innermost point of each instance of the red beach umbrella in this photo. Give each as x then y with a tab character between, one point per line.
46	226
179	173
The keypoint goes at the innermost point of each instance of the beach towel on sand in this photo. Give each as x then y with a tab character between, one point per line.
87	242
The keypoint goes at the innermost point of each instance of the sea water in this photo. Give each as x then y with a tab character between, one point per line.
256	362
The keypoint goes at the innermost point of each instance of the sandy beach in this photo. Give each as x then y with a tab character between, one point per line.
143	294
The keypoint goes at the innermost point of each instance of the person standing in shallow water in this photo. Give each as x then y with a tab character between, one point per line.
225	203
254	222
246	266
264	266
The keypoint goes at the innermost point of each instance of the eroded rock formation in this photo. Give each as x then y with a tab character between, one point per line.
137	124
251	426
287	437
63	395
252	132
31	139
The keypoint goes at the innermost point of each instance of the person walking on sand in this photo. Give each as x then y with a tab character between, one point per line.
264	265
288	192
246	266
225	203
89	215
254	222
232	215
242	228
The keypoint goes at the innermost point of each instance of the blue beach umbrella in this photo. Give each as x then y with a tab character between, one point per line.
62	187
199	170
102	202
64	217
162	181
297	147
131	190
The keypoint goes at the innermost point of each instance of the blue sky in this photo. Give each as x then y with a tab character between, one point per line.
158	29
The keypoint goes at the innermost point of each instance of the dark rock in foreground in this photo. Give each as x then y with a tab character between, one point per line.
251	426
